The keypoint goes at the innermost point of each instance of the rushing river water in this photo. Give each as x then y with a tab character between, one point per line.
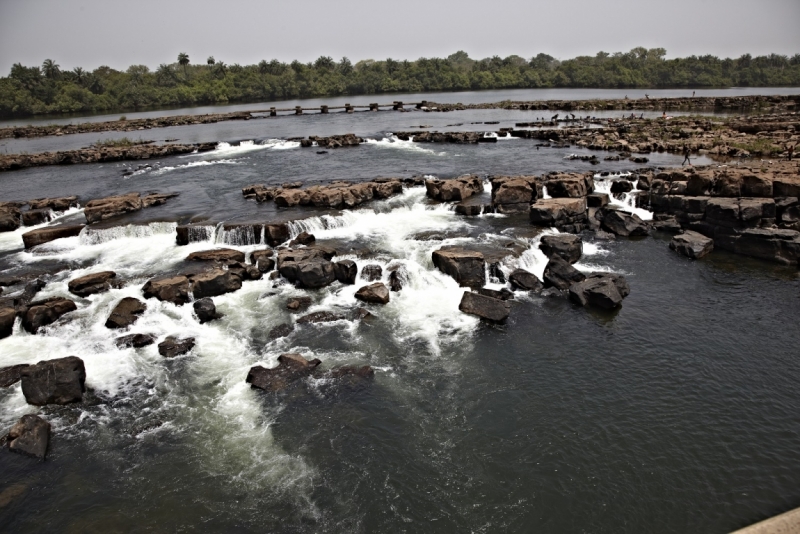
678	413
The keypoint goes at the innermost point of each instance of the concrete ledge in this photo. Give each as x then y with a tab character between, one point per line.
788	523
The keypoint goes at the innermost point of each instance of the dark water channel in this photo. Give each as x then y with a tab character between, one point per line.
677	413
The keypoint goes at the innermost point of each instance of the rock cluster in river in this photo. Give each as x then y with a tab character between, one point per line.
336	195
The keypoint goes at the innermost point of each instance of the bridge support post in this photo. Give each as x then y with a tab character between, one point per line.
272	112
323	109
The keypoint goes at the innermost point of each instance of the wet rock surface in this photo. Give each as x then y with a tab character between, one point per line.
465	266
125	313
11	375
174	346
487	308
30	436
600	290
291	367
692	244
50	233
136	341
58	381
45	312
92	283
205	310
567	246
376	293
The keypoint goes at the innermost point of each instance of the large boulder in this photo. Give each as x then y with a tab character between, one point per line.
487	308
465	266
9	220
455	189
345	271
59	381
601	290
569	186
312	273
513	195
623	224
524	280
291	367
558	212
772	244
105	208
125	313
692	244
50	233
377	293
11	375
174	289
206	310
90	284
568	247
215	282
44	312
30	436
220	254
8	316
560	274
288	198
275	234
173	346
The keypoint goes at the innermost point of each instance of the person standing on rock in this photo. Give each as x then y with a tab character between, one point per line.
686	154
790	151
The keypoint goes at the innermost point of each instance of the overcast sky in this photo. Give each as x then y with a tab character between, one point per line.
90	33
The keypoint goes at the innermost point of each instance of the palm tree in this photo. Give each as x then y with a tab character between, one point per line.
165	75
211	60
263	66
220	69
80	75
51	69
183	60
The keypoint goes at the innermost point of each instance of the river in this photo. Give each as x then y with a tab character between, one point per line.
677	413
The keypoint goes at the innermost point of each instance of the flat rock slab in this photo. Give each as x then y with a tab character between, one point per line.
600	290
220	254
487	308
692	244
30	436
59	381
50	233
467	267
291	367
125	313
568	246
45	312
90	284
377	293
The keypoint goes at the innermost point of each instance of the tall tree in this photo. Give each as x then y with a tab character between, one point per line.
183	60
211	60
51	69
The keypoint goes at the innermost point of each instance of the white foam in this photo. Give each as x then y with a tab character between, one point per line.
392	141
628	201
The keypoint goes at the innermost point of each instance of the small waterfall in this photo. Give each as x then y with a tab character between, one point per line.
92	236
240	235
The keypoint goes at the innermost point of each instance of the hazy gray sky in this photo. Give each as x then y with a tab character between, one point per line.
90	33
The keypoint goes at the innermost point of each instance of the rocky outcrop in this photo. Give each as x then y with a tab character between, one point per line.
11	375
567	214
568	247
44	312
205	310
291	367
262	259
307	267
10	217
465	266
600	290
136	341
105	208
337	195
55	204
215	282
376	293
569	185
692	244
174	289
59	381
90	284
487	308
624	224
455	189
125	313
220	254
514	194
561	274
30	436
50	233
173	346
345	271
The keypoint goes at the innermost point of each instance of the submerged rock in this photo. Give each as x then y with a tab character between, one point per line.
45	312
173	346
291	367
59	381
377	293
125	313
282	330
487	308
601	290
465	266
319	317
296	304
692	244
136	341
91	283
206	310
345	271
8	316
30	436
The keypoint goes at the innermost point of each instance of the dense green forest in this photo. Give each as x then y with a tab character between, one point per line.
48	89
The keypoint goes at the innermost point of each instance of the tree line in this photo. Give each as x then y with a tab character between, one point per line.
47	88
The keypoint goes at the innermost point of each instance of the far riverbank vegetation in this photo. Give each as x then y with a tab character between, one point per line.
48	89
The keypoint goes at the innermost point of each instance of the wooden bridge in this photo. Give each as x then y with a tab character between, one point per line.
348	108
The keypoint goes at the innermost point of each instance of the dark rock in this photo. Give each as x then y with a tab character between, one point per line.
502	294
396	281
50	233
9	220
91	283
567	246
371	272
206	310
524	280
601	290
465	266
30	436
469	210
125	313
265	265
59	381
360	313
345	271
597	200
275	234
621	186
624	224
215	282
257	255
220	254
561	274
172	346
136	341
377	293
487	308
34	217
692	244
55	204
174	289
8	316
304	238
291	367
455	189
558	212
296	304
319	317
11	375
282	330
45	312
